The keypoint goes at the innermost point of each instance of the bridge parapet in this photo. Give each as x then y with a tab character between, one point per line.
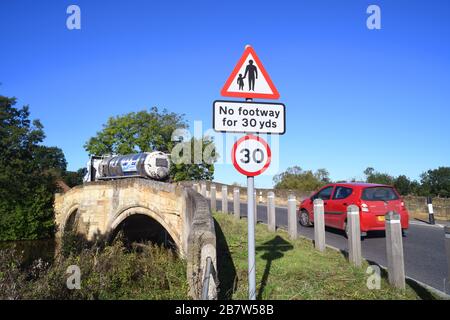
96	209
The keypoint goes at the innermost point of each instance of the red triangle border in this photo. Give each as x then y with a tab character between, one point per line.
225	93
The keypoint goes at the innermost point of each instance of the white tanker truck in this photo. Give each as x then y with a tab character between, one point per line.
152	165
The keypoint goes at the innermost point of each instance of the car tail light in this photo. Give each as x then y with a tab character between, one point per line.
364	207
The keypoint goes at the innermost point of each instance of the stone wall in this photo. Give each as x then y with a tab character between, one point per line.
201	244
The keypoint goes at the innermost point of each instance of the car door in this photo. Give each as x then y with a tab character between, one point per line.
325	195
337	206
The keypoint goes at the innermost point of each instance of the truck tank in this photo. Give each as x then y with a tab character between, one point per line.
154	165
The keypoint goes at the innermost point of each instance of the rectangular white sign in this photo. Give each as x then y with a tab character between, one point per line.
249	117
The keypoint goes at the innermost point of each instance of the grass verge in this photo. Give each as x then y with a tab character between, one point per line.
114	272
287	269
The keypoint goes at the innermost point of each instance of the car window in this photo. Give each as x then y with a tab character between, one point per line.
379	194
324	194
342	193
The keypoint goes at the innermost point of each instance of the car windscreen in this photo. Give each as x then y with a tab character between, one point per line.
379	194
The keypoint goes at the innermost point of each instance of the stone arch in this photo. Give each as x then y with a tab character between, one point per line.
71	213
141	210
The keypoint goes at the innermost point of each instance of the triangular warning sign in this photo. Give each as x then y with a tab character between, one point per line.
249	79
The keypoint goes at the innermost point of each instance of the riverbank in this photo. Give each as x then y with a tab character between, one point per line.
287	269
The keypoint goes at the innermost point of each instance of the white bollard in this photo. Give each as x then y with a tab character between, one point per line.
203	190
354	235
271	211
224	199
319	225
213	197
236	204
394	250
292	217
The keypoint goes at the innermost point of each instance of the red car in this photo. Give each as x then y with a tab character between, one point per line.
373	200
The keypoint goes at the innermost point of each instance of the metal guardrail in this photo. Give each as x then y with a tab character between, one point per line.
209	270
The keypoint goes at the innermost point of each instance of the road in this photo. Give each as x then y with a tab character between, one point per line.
424	246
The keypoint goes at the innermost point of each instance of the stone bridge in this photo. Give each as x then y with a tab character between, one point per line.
168	212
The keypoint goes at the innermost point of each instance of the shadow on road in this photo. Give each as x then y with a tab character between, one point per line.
273	249
225	266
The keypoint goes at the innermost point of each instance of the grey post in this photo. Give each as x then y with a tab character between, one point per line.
271	211
394	250
212	193
251	239
255	207
203	189
319	225
354	235
292	217
236	204
447	247
224	199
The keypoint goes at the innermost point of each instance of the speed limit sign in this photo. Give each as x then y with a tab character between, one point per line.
251	155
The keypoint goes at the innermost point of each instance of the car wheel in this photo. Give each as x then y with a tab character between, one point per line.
304	218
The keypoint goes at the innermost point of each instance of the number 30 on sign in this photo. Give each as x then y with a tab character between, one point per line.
251	155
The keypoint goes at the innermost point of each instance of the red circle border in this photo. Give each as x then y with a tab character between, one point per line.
233	156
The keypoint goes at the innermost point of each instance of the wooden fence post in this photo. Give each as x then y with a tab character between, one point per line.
224	199
236	203
292	217
394	250
271	211
203	189
212	192
319	225
354	235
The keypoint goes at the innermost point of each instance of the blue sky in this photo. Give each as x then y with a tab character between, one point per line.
355	97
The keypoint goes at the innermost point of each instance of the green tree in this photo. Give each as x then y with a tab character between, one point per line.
74	178
403	185
295	178
136	132
373	176
436	182
151	130
186	168
27	185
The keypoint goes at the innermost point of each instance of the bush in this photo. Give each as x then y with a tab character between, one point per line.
145	272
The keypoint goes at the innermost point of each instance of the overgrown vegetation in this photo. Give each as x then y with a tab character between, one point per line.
287	269
112	272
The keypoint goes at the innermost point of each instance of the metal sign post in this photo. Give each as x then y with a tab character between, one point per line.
251	155
251	239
